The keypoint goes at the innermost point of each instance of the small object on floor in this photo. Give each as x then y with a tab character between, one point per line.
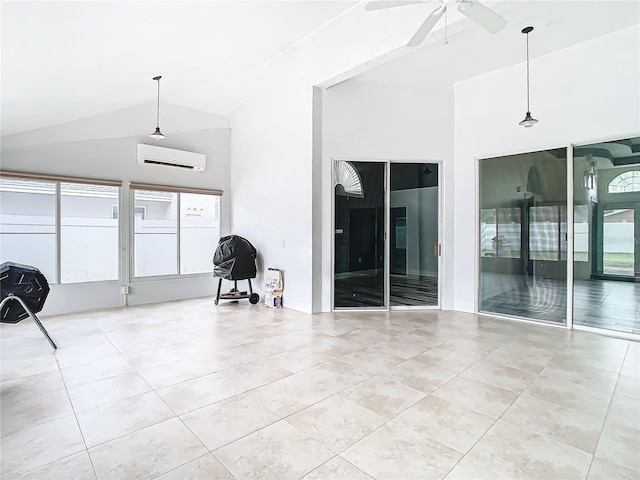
274	288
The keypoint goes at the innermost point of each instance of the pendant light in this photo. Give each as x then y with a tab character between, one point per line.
590	174
528	121
157	135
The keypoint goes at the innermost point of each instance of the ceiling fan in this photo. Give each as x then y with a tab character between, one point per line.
472	9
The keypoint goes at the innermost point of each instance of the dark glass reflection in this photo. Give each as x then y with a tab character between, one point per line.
359	234
523	226
606	267
413	236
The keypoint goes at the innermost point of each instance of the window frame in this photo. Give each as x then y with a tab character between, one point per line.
634	173
496	223
57	180
133	186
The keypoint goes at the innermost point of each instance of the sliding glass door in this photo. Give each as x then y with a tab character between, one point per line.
523	236
414	243
359	246
606	263
386	247
524	232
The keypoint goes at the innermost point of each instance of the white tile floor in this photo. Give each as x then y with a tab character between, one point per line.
187	390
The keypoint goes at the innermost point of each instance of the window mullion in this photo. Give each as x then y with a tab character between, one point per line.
58	222
497	242
179	234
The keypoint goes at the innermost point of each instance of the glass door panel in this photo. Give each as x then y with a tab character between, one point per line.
617	242
544	233
523	236
606	267
359	219
413	245
398	258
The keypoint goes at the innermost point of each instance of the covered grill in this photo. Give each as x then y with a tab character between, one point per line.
235	259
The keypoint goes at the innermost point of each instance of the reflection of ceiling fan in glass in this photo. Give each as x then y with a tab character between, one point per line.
347	177
472	9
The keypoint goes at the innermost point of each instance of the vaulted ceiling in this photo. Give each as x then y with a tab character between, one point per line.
66	61
62	61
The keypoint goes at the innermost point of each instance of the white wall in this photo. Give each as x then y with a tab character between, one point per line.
582	94
272	150
272	204
364	120
271	183
115	159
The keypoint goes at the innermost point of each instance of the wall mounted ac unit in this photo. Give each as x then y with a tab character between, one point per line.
170	157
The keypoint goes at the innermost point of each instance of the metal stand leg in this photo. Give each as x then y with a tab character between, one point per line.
218	294
250	289
32	315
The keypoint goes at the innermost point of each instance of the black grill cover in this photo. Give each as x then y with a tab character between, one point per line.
25	282
234	259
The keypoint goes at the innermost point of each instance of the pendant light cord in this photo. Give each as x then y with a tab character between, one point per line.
158	105
528	109
446	31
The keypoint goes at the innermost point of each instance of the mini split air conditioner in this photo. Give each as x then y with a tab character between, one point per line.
169	157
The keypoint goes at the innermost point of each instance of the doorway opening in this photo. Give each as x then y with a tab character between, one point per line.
386	241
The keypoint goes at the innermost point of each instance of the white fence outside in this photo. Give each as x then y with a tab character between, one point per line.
619	237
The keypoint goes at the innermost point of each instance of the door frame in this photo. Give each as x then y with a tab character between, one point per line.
600	218
569	324
525	234
387	242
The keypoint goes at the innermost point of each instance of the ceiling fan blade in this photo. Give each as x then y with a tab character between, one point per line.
426	26
380	4
482	15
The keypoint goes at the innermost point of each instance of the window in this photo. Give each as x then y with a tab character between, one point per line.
175	230
581	233
28	224
501	232
63	227
88	233
625	182
548	232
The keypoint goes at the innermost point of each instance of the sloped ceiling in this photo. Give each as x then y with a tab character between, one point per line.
464	50
63	61
89	60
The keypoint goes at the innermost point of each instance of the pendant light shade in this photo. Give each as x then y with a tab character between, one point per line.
157	135
590	174
528	120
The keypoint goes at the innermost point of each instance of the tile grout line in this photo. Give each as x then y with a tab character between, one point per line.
604	422
281	418
402	411
413	404
499	416
75	415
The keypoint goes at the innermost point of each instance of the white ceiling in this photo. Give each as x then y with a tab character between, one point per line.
64	61
470	51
